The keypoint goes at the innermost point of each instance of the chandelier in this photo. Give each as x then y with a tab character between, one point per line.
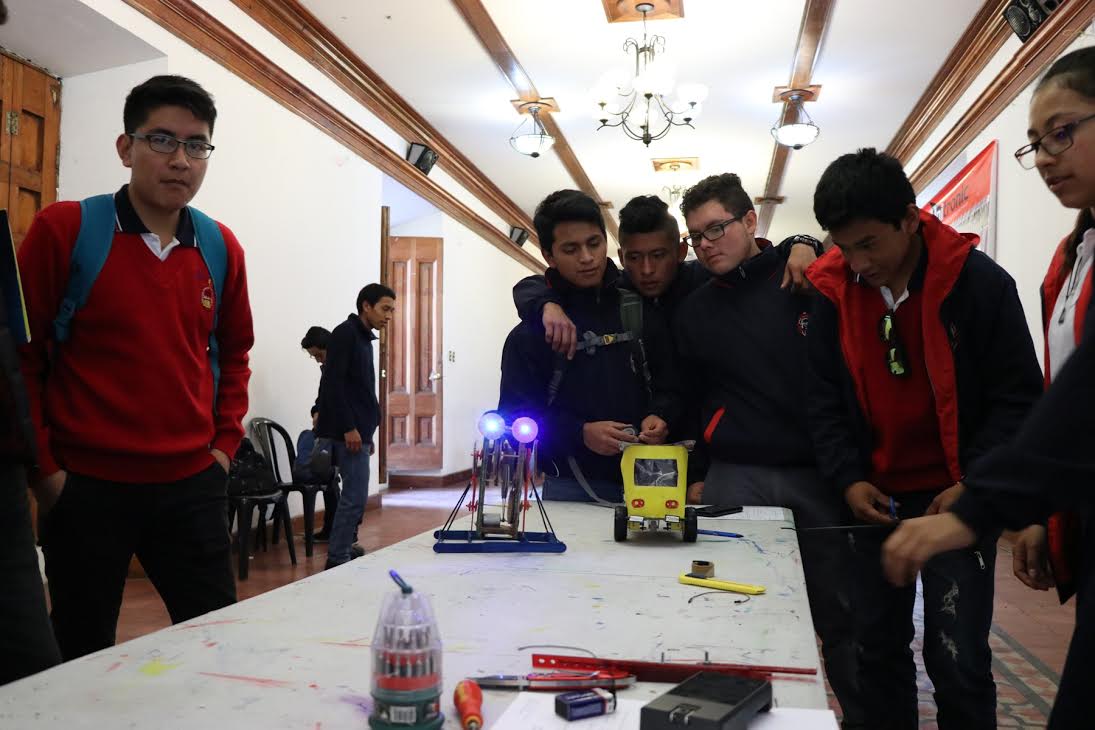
644	105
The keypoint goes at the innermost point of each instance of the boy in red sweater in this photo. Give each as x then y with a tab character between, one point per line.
921	362
134	438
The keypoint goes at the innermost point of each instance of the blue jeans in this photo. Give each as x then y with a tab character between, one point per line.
958	591
567	489
354	469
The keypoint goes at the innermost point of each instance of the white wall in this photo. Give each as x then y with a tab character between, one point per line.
1030	222
479	313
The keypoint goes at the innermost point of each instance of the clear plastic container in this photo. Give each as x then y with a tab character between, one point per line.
406	663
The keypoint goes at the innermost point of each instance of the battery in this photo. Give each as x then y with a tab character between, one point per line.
586	703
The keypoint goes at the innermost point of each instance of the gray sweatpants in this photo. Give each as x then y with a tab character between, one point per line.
826	557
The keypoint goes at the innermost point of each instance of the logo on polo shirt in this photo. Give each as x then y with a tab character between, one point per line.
803	323
207	294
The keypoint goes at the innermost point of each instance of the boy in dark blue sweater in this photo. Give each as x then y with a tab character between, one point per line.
585	406
349	411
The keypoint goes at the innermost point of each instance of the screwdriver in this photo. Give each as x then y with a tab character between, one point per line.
468	699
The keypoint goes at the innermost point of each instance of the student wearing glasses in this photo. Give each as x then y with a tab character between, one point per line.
138	401
741	339
921	362
1048	466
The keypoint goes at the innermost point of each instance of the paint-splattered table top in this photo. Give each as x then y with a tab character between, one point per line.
298	657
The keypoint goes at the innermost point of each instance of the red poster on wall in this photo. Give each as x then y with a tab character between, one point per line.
968	202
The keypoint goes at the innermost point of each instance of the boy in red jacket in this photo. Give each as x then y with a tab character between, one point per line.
134	434
921	362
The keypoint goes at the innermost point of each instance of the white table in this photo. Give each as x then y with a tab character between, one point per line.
297	657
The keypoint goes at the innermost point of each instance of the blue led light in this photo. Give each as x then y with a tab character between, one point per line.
491	425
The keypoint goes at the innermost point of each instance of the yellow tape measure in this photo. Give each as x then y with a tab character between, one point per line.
721	585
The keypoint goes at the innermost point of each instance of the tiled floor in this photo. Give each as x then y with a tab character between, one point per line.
1029	639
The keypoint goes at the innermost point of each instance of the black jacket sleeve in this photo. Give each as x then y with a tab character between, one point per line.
839	455
336	373
530	295
1008	373
691	394
1050	463
527	368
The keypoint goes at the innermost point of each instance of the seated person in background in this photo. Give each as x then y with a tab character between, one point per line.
921	363
315	343
741	337
314	467
619	389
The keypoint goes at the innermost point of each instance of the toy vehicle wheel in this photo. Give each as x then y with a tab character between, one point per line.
620	524
691	524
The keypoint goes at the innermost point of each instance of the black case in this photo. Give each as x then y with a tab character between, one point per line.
708	701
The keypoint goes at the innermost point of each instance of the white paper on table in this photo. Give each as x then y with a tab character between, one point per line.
793	718
757	514
536	711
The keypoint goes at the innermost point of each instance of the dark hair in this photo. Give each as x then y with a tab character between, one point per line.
648	214
1075	72
565	206
161	91
315	410
725	188
372	294
3	12
864	185
315	337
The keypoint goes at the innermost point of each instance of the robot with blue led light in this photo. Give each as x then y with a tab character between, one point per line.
505	460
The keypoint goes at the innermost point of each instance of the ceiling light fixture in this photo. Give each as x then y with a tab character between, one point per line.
530	138
794	128
644	105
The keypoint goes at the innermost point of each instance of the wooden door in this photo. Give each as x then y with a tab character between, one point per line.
30	125
414	355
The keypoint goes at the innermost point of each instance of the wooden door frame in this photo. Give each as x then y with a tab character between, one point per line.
382	384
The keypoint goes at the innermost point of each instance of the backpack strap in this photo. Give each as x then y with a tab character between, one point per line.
631	315
210	242
97	218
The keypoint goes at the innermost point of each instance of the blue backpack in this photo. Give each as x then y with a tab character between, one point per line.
97	218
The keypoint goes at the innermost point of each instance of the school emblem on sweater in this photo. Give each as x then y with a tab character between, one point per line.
207	295
803	323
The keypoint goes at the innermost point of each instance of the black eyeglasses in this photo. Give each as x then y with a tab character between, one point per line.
1055	141
712	233
165	143
895	353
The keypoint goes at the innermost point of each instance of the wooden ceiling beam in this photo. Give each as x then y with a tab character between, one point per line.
296	27
982	39
1061	29
816	17
478	19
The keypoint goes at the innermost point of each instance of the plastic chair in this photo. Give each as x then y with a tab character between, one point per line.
263	430
242	508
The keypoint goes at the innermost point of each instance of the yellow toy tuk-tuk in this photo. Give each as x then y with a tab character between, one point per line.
655	491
